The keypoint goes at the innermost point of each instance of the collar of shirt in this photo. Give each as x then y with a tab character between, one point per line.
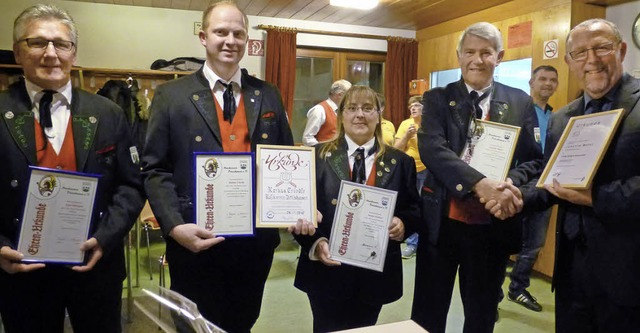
332	104
213	78
218	89
368	153
485	102
60	111
63	95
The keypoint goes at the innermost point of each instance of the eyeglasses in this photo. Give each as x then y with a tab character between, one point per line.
600	51
41	44
366	109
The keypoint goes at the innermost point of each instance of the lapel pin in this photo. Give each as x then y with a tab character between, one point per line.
379	173
257	92
9	115
252	100
198	138
393	161
452	103
195	97
381	163
387	169
93	120
328	154
265	135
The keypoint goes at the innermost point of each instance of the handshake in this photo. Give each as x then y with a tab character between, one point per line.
500	199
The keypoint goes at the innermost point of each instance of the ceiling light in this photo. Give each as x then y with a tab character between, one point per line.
358	4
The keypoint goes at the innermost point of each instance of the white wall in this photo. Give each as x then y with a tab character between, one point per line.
129	37
623	16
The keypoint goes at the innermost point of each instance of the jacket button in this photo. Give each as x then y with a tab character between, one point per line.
334	202
265	135
198	138
14	183
459	187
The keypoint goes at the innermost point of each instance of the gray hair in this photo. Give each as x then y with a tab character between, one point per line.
588	24
485	31
339	86
44	12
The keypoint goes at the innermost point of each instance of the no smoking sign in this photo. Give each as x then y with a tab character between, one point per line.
550	49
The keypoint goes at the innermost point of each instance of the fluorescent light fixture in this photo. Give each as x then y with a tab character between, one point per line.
358	4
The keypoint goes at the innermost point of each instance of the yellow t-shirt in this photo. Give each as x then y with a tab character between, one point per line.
388	132
412	144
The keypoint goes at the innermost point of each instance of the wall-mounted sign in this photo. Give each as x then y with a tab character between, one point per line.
256	47
519	35
550	49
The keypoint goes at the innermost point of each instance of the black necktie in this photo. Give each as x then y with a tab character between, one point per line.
229	109
44	109
476	102
596	105
358	170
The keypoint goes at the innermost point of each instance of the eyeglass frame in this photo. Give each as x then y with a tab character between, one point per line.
595	49
354	109
49	41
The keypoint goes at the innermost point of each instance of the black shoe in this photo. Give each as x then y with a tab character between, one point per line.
525	299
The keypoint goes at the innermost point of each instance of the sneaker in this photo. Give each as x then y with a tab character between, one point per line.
525	299
408	252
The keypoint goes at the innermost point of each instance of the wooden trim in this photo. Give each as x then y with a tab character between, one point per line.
331	33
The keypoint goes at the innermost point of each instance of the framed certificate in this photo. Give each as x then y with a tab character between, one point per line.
224	192
490	148
580	150
57	216
360	230
286	185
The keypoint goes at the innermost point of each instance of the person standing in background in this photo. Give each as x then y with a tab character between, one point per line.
388	130
321	119
543	84
407	141
219	108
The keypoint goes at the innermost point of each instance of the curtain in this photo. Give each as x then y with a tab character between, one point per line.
281	63
400	68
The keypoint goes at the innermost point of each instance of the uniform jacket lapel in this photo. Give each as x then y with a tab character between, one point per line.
630	92
385	168
252	103
339	162
205	104
84	125
20	122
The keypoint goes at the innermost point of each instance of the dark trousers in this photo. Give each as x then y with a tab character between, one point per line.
226	281
534	233
582	305
340	314
466	250
36	301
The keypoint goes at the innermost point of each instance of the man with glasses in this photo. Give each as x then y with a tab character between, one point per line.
461	237
597	273
49	124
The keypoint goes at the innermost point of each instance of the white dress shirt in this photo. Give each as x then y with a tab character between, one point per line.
60	112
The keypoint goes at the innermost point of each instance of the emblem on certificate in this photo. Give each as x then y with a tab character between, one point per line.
490	147
286	185
360	230
57	216
580	150
224	193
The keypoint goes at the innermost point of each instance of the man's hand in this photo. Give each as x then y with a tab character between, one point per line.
8	258
302	227
193	237
578	197
396	229
96	254
501	199
322	253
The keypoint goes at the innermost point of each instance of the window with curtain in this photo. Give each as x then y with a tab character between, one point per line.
317	69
